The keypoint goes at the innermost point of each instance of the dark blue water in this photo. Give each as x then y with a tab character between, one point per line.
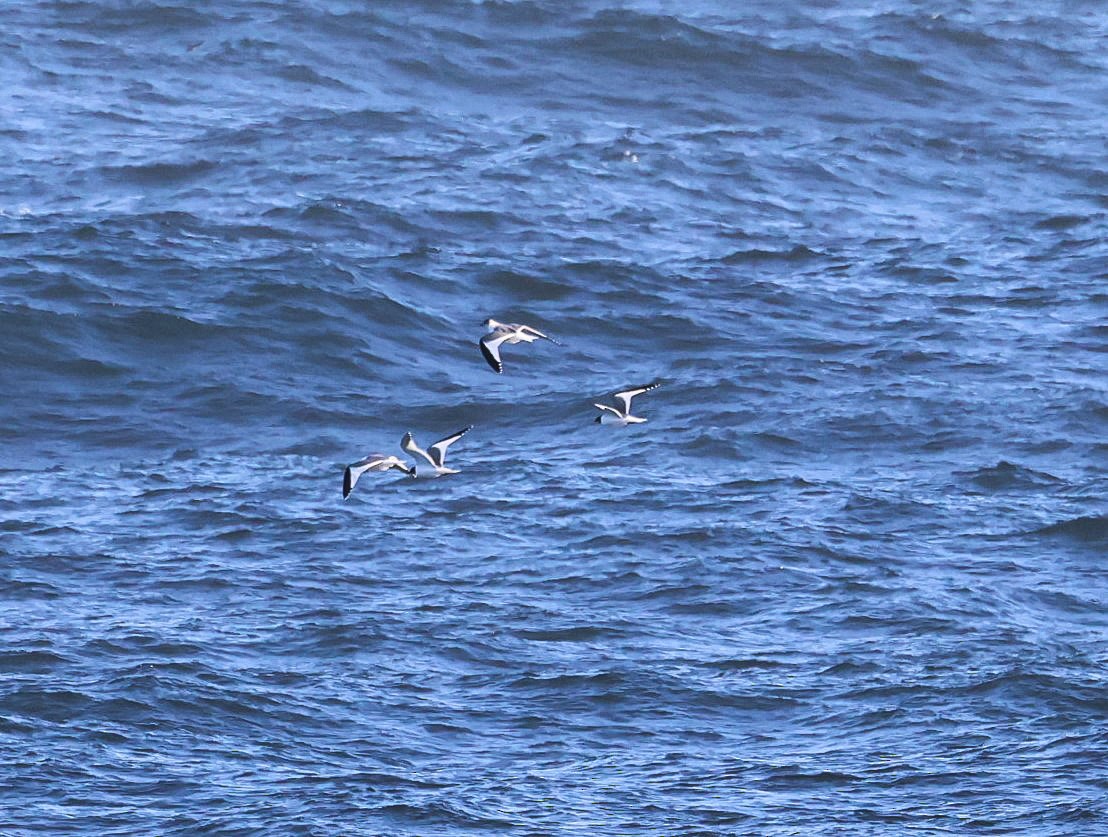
849	578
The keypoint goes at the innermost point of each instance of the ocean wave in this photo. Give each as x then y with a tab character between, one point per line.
1090	529
858	248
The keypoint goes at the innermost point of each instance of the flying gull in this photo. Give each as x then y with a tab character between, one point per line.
436	455
373	462
507	333
622	416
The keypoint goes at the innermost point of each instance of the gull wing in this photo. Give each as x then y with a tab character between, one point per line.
349	480
351	474
387	463
438	450
626	396
609	409
400	466
490	348
408	444
538	333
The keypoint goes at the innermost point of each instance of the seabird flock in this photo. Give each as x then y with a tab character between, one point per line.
498	335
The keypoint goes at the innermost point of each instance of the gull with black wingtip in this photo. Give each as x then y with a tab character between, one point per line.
621	416
435	455
373	462
500	333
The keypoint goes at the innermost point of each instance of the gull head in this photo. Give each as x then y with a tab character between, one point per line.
490	323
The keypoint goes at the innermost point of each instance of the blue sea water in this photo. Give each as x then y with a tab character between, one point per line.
848	579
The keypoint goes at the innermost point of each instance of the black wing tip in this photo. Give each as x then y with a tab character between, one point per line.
642	387
346	483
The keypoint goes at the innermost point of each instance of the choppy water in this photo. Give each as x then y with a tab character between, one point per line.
850	577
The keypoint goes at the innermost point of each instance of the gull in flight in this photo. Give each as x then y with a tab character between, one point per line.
507	333
436	455
622	416
373	462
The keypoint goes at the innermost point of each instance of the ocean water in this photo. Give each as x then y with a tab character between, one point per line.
850	576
